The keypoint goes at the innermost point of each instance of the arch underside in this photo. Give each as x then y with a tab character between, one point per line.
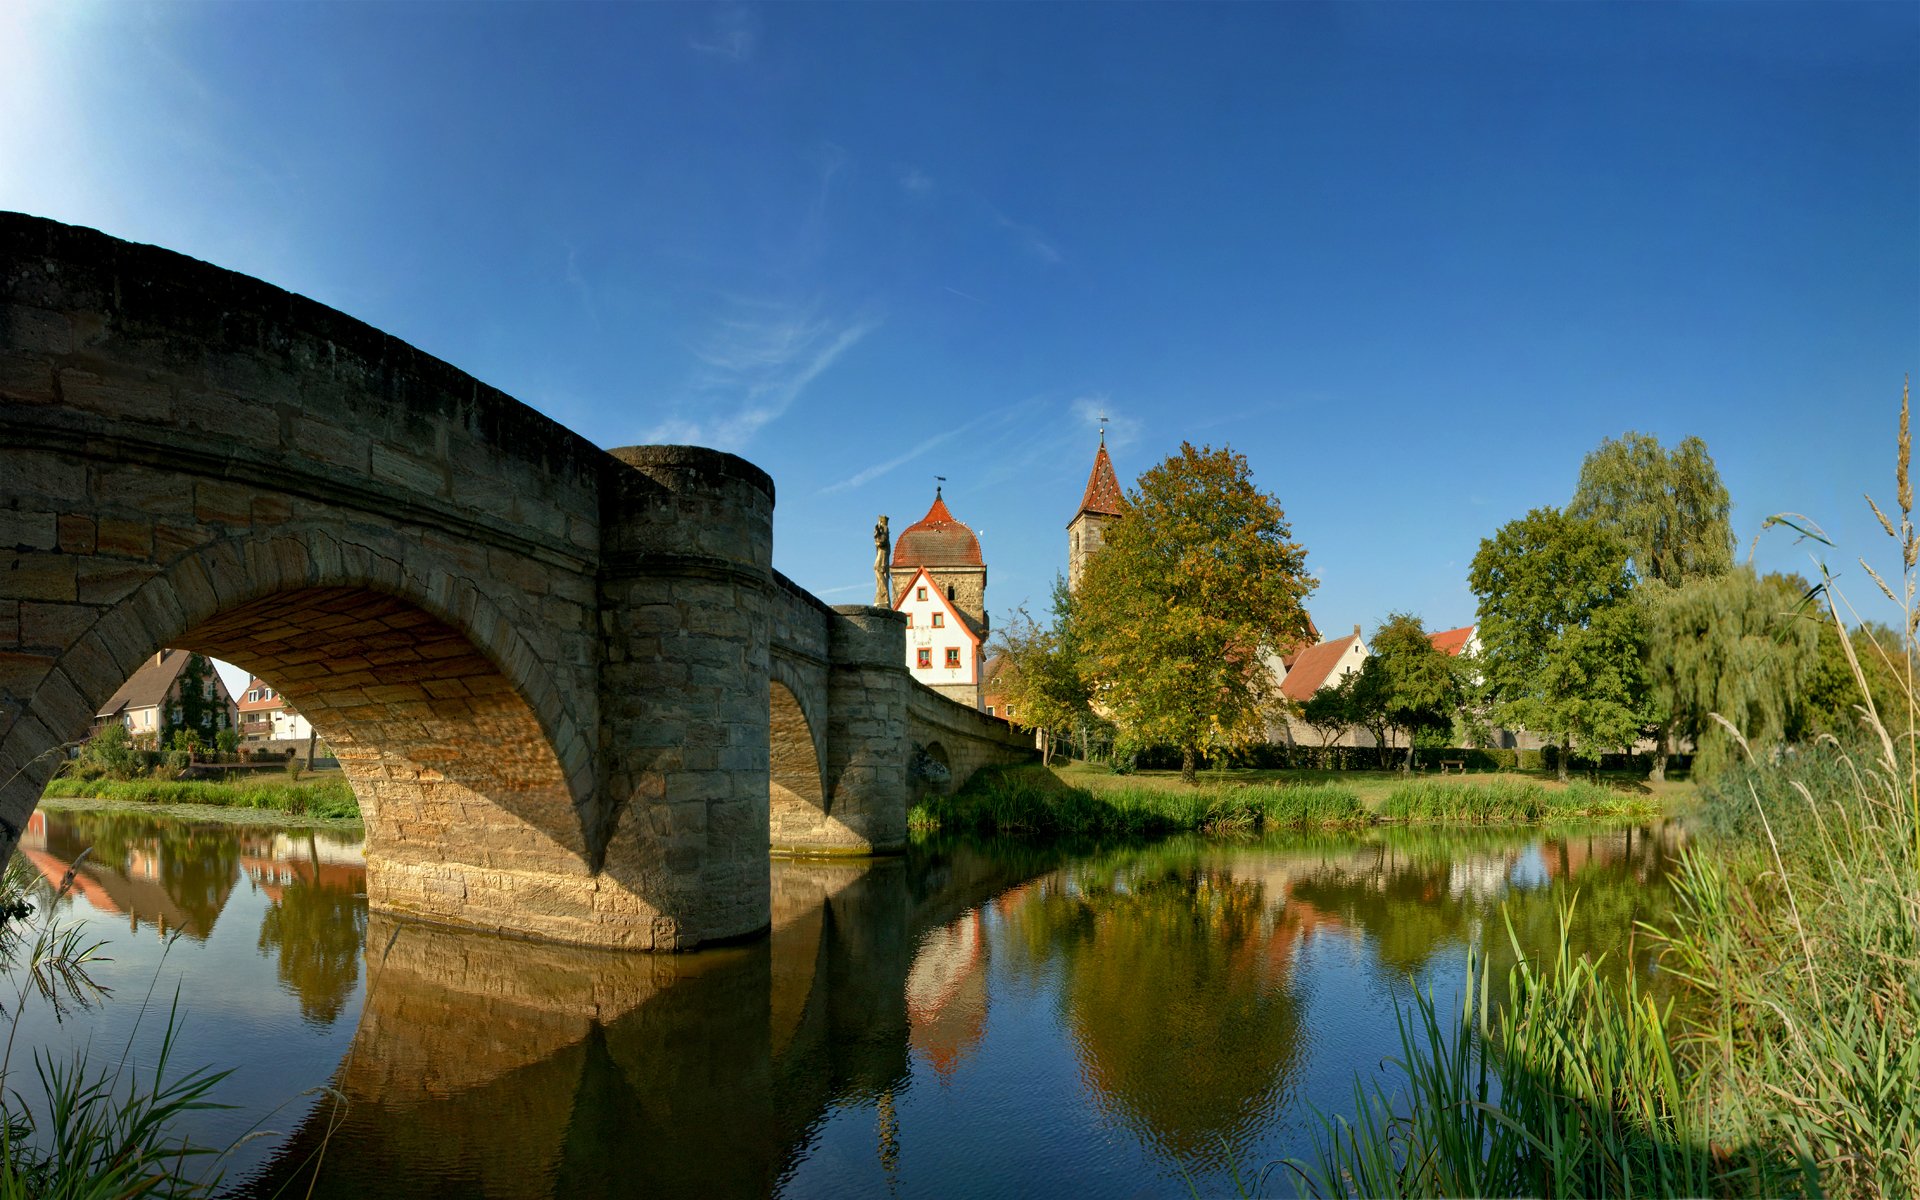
798	817
429	732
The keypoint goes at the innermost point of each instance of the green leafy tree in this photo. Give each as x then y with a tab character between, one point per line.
1331	710
1044	672
1418	690
110	753
1730	644
1561	635
1670	510
1667	507
1831	702
1196	581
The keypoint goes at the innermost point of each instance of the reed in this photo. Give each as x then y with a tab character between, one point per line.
1574	1088
1508	800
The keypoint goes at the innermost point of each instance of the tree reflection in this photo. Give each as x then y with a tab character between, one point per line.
315	930
1174	983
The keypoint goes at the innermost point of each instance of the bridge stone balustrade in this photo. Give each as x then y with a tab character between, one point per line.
574	699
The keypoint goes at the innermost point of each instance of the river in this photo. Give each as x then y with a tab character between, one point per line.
967	1020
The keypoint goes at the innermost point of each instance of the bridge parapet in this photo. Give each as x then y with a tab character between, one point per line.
964	739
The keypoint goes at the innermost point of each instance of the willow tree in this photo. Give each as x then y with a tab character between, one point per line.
1670	510
1559	631
1730	644
1194	583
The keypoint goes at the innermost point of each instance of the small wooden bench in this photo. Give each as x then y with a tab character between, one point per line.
1453	764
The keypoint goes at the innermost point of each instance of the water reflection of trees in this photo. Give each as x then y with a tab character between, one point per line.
314	930
1173	963
1174	981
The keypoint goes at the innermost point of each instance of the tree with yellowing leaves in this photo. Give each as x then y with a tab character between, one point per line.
1196	580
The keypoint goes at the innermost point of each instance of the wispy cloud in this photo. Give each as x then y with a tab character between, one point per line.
916	182
578	282
754	363
732	33
1029	238
993	417
1122	430
874	472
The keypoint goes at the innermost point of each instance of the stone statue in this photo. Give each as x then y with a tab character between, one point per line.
882	546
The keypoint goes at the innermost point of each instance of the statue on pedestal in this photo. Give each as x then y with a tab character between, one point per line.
882	550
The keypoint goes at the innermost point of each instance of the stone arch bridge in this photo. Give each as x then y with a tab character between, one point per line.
575	700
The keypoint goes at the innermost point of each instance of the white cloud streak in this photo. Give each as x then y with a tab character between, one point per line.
754	365
733	34
1122	430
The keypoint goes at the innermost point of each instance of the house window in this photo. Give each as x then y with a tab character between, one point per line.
921	595
989	710
1009	710
909	620
949	591
923	658
953	656
939	620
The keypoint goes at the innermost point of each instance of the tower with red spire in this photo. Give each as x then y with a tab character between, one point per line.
1101	504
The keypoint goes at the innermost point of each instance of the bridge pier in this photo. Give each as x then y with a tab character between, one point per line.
681	813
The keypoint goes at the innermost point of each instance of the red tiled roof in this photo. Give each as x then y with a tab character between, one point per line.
937	540
1451	641
1312	666
1103	496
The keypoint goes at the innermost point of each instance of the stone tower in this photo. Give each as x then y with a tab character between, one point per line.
951	554
1101	504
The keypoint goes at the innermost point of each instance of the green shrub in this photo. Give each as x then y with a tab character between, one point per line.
1531	760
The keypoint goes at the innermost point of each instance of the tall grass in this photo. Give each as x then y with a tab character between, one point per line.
1033	801
315	798
1508	800
1575	1090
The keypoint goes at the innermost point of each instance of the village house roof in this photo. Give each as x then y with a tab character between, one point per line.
1311	667
1103	496
937	540
150	684
1451	641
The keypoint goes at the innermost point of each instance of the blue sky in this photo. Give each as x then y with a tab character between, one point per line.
1414	261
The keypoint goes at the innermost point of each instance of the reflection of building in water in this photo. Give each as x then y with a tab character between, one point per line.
947	993
1481	876
134	886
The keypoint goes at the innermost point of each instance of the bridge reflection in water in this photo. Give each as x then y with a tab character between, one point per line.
496	1067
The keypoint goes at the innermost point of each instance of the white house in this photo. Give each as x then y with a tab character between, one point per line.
944	650
266	716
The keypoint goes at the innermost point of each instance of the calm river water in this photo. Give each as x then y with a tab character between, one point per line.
970	1020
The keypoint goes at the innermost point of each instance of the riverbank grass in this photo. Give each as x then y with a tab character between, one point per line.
1079	801
327	796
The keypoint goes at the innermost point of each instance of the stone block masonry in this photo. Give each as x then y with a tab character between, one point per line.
574	699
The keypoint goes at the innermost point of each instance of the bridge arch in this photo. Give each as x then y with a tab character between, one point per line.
424	689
